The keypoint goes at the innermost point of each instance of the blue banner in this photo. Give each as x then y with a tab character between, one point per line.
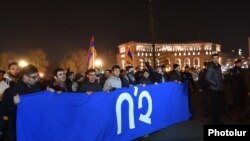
122	115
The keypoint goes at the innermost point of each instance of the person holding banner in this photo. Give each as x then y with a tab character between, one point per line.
90	85
26	85
113	81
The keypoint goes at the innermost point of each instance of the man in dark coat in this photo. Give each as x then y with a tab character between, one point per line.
26	85
237	86
175	74
91	84
203	89
214	80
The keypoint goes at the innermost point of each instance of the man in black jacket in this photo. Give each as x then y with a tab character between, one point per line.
214	79
90	85
26	85
237	86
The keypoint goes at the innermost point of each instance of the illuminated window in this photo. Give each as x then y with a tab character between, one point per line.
168	62
138	54
196	62
123	63
186	62
122	49
198	53
178	61
188	53
179	54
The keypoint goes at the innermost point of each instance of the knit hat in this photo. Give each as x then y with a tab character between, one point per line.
175	66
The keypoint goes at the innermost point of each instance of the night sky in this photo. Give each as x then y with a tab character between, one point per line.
61	26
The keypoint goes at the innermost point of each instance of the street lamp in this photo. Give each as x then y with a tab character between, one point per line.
22	63
98	63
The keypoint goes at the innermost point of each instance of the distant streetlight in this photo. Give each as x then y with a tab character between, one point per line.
98	63
22	63
41	74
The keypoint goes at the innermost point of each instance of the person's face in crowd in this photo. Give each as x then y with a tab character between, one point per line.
71	77
61	76
186	69
178	69
131	70
123	73
238	65
215	59
91	77
159	69
146	74
31	79
116	72
14	70
107	74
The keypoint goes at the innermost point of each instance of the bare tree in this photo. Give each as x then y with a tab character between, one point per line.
108	57
76	61
6	58
38	58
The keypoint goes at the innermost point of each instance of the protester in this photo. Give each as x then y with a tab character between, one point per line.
113	82
91	85
26	85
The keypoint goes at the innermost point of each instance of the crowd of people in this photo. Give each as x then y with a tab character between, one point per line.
15	82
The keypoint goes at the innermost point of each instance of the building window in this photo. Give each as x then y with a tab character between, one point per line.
178	61
179	54
196	62
123	64
175	54
188	53
168	61
218	48
186	62
158	62
198	53
138	54
141	63
122	49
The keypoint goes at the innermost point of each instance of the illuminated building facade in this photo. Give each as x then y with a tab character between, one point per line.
191	54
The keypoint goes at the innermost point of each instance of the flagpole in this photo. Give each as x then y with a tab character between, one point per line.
152	31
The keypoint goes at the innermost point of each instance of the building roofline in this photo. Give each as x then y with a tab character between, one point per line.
171	43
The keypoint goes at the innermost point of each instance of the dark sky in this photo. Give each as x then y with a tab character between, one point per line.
61	26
